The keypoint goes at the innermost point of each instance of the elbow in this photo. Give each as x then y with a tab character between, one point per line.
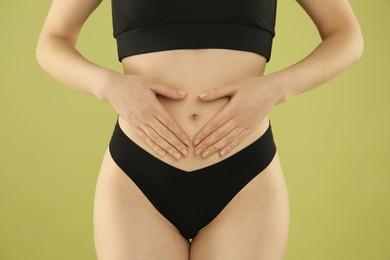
38	57
352	42
39	51
42	51
354	46
358	46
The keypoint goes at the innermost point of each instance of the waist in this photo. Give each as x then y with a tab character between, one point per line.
195	71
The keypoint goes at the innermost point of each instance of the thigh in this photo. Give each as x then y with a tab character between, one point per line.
126	225
254	225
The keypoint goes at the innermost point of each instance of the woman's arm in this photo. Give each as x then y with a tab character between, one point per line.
132	96
56	52
341	46
253	98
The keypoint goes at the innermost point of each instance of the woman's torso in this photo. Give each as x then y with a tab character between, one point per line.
195	71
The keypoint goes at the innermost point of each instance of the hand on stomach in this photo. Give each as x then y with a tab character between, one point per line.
183	71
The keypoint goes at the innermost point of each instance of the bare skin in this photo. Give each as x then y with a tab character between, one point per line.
126	225
269	207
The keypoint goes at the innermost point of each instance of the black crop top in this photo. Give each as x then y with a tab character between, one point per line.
141	26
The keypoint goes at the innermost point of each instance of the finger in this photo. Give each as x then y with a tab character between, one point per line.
214	136
167	135
213	124
227	139
234	143
172	125
168	91
157	139
215	93
150	142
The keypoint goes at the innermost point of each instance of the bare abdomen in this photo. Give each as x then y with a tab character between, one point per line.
195	71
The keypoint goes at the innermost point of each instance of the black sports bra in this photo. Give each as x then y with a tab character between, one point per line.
141	26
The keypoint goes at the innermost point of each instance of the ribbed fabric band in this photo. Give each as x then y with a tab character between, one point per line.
195	36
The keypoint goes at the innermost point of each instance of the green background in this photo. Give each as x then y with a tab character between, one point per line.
333	141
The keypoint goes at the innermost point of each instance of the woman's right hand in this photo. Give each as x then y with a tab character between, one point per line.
134	99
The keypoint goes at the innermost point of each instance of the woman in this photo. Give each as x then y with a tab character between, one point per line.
191	171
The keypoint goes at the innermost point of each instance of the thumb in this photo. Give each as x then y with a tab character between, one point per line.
215	93
170	92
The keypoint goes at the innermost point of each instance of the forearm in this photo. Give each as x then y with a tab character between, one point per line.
332	56
60	59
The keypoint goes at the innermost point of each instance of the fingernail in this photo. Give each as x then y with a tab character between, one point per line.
198	151
223	152
161	152
187	142
182	92
184	151
203	94
197	141
177	155
206	153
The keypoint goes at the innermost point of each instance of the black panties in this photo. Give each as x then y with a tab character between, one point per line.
191	200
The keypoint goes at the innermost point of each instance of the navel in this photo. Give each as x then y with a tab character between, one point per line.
194	117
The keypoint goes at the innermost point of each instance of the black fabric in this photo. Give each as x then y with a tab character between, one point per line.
191	200
142	26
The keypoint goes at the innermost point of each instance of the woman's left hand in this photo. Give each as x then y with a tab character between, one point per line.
251	99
